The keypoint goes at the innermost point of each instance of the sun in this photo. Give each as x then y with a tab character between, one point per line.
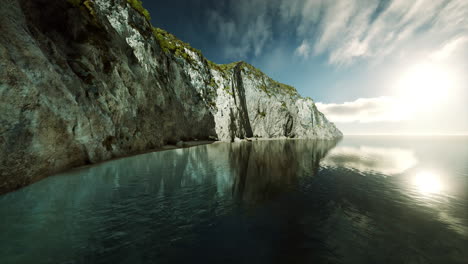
424	86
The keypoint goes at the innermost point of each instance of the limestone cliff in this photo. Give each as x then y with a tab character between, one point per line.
82	81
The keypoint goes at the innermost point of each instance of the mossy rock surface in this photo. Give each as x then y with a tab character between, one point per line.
138	6
170	44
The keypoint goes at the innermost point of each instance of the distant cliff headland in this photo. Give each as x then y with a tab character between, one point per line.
83	81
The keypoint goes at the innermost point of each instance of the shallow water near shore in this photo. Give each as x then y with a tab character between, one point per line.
368	199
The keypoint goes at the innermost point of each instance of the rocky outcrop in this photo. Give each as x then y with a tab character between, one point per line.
82	81
249	103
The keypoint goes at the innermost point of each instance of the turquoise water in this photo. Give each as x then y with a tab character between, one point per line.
360	200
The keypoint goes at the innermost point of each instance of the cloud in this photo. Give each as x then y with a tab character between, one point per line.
244	29
357	29
303	50
449	48
365	110
343	30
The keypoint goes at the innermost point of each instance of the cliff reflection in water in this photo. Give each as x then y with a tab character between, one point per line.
250	171
257	170
266	168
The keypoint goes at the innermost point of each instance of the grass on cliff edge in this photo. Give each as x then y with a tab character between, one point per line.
138	6
170	43
274	85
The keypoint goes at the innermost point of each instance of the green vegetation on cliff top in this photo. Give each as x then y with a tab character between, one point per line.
138	6
169	43
274	85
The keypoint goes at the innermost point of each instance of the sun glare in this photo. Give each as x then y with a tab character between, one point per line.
427	182
424	86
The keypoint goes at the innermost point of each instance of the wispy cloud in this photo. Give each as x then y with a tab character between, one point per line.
343	30
365	110
303	50
356	29
244	30
449	48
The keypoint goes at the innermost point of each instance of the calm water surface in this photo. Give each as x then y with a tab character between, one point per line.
361	200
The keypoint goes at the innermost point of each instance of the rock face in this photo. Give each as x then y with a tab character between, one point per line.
250	104
83	81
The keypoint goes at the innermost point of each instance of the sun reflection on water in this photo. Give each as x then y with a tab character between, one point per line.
428	182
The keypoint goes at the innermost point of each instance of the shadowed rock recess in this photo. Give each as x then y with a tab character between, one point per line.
83	81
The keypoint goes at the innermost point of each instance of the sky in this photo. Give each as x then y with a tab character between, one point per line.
372	67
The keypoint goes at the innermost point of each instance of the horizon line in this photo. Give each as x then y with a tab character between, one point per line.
407	134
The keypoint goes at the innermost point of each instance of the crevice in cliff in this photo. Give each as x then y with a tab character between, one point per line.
244	122
288	126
